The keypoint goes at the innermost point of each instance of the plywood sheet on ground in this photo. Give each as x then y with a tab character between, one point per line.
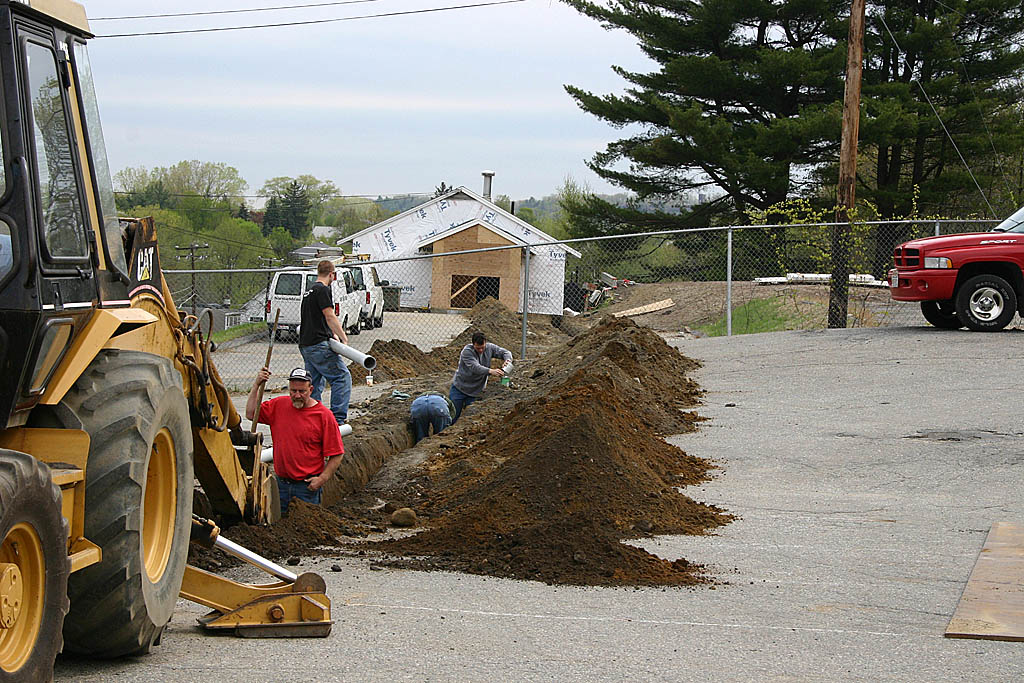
992	605
649	308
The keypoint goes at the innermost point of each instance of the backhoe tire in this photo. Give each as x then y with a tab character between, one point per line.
986	303
138	502
941	314
34	537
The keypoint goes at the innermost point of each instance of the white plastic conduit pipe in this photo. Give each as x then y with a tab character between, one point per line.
368	362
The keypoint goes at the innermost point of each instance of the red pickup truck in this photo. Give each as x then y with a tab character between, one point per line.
972	280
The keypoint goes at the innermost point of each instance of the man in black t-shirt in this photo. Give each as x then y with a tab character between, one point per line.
318	324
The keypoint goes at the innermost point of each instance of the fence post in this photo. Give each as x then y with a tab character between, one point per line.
938	228
526	296
728	284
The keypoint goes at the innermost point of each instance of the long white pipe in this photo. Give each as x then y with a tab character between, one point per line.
235	550
267	454
368	362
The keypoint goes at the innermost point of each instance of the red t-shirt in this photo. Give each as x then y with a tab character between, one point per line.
302	438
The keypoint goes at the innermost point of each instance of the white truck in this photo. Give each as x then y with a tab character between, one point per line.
371	296
286	292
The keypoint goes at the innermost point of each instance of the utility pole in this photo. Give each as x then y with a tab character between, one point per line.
192	249
838	299
267	262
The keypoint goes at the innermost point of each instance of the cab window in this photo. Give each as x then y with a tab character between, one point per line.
62	220
6	249
100	165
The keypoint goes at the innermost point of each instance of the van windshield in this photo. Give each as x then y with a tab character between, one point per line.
289	284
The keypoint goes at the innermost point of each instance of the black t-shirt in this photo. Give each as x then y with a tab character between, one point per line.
314	325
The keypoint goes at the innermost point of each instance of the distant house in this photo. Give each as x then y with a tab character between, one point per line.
461	220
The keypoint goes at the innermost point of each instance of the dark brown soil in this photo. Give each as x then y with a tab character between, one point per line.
548	490
397	359
542	480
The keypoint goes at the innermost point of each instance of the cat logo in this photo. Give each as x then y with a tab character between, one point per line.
145	269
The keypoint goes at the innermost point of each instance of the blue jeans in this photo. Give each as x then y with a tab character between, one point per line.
427	412
290	489
325	364
460	400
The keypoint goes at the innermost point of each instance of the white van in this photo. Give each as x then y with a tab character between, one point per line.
287	288
371	296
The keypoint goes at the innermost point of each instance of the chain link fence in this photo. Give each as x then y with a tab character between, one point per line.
712	281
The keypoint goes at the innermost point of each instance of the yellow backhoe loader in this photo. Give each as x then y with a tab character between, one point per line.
110	405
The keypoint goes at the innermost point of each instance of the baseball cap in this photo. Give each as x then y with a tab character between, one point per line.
301	373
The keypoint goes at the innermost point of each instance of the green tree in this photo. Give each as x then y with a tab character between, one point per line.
281	241
215	181
352	214
742	101
235	243
295	208
318	192
272	215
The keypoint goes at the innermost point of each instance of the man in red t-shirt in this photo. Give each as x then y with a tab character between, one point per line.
305	434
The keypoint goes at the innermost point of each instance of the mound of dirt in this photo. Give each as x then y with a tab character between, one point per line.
548	490
397	359
578	474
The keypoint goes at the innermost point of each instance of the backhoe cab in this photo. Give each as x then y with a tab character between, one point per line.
110	405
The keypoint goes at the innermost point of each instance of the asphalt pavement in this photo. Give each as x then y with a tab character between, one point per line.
865	467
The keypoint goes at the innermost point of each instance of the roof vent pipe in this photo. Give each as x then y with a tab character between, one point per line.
487	184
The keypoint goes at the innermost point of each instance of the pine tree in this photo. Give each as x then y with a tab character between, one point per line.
272	216
745	105
295	208
741	101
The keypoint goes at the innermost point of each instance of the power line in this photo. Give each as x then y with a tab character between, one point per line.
229	11
208	236
384	197
311	21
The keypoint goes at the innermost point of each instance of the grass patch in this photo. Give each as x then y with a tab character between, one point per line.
237	331
760	315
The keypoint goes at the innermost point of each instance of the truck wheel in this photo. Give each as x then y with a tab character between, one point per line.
138	501
357	328
379	320
34	568
941	314
986	303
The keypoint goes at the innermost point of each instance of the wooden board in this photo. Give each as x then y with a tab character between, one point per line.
649	308
992	605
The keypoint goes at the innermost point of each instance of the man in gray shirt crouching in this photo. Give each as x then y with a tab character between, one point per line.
474	368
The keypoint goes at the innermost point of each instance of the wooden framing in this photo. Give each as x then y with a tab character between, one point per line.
506	265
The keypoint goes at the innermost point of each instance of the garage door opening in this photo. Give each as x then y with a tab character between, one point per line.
467	290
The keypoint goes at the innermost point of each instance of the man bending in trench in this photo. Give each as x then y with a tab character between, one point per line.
470	378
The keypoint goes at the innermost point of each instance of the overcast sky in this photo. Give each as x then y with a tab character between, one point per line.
380	106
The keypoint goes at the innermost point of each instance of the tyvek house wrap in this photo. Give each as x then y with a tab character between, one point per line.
402	235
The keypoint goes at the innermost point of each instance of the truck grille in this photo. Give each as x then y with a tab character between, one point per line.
907	257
